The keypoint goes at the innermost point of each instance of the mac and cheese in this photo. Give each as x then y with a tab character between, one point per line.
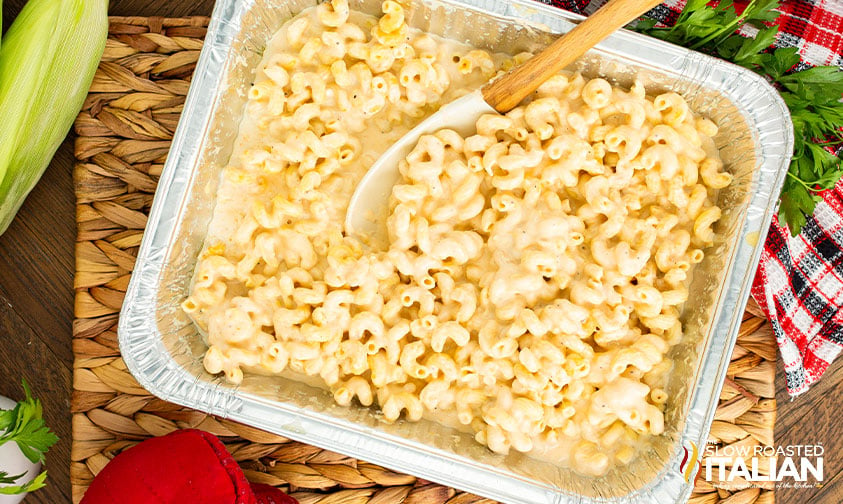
536	270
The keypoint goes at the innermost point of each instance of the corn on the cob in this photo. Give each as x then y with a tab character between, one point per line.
47	62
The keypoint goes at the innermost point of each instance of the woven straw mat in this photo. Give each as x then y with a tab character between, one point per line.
124	133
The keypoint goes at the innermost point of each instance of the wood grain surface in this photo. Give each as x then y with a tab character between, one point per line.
36	303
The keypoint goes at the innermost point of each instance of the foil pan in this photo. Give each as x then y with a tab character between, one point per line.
163	349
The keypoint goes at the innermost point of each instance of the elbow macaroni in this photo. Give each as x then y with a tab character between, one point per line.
536	269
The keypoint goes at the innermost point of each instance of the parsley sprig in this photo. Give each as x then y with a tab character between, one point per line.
813	95
36	483
24	424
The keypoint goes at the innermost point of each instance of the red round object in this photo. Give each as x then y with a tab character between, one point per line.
183	467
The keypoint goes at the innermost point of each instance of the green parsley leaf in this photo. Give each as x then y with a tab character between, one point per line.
644	24
818	75
5	479
826	167
796	202
36	483
7	419
750	47
784	58
762	11
25	426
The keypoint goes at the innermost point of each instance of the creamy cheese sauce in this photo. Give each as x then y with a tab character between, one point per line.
535	272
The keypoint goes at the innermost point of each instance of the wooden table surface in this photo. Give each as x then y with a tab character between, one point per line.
36	312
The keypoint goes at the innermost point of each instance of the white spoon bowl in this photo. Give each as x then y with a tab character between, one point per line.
368	209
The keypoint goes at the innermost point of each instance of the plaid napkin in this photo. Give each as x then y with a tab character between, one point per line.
799	282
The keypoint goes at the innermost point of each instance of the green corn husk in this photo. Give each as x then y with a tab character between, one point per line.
47	62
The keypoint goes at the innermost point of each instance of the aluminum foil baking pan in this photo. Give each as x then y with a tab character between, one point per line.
163	350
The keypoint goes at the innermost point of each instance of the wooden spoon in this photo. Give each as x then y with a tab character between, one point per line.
367	211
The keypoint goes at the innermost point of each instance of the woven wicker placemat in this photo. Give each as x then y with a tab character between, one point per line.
124	133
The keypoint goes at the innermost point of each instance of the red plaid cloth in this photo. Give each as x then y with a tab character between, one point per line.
799	282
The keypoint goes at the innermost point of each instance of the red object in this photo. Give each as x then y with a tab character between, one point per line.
799	285
183	467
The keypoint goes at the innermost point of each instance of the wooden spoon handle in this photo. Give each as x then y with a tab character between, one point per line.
506	93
